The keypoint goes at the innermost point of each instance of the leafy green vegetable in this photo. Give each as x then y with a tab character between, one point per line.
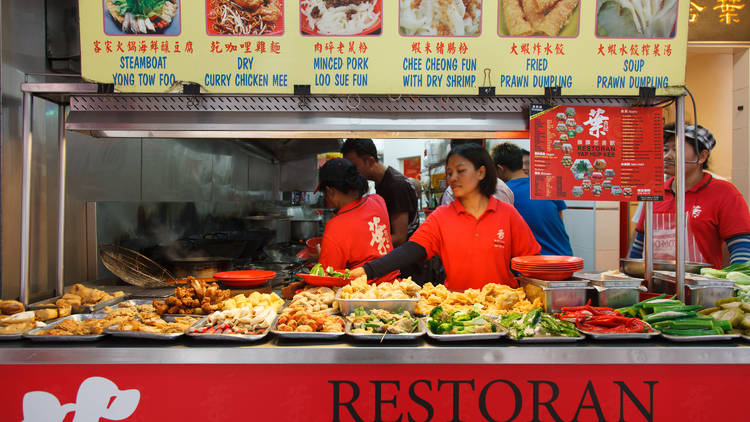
537	323
139	8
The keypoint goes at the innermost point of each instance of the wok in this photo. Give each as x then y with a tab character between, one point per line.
637	267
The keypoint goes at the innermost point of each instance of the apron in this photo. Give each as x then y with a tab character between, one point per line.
665	239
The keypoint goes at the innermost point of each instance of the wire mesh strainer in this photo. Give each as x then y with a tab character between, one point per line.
132	267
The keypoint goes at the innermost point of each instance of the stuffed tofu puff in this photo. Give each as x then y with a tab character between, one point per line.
537	17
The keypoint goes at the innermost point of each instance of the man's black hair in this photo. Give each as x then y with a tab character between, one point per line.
508	155
363	147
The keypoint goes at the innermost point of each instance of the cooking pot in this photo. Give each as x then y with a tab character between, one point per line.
200	267
281	225
305	229
637	267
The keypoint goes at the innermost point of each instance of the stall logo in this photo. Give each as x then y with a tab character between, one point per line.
378	235
598	121
500	239
97	398
697	210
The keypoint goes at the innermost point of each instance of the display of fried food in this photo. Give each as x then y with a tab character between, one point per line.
297	320
154	324
254	300
82	295
398	289
17	323
496	299
10	307
71	327
544	17
315	299
199	298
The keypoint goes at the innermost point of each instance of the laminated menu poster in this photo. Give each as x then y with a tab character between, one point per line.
596	153
410	47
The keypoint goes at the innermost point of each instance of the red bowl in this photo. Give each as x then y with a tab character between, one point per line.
319	280
549	275
308	29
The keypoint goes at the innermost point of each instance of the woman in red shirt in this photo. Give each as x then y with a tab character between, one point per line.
360	231
475	236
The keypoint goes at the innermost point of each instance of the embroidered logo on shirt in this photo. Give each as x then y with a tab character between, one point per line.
378	235
500	239
697	210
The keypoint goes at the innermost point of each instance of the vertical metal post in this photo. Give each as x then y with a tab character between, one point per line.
680	229
61	165
26	196
648	245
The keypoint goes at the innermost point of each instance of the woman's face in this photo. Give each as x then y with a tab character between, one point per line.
691	158
461	175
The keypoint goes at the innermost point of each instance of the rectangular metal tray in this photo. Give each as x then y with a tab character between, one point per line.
347	306
112	330
466	337
78	309
609	281
620	336
746	338
304	335
140	301
387	337
78	317
550	339
687	339
225	337
547	284
694	279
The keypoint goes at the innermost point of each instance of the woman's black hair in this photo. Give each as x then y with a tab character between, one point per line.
670	131
343	177
479	157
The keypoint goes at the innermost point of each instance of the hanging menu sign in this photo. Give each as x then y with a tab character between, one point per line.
596	153
432	47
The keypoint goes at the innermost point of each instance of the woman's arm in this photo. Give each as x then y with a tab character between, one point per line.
739	248
636	249
400	257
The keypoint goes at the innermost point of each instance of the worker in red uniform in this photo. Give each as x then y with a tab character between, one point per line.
360	230
715	211
475	236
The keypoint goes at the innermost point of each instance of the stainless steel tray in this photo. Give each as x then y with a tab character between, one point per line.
502	332
550	339
78	309
140	301
347	306
620	336
31	335
387	337
554	284
714	337
5	337
304	335
746	338
113	330
225	337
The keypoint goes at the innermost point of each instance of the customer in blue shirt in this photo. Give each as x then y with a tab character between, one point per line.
543	216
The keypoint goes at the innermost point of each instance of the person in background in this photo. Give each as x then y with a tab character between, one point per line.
360	230
543	216
502	192
715	211
475	236
399	195
526	162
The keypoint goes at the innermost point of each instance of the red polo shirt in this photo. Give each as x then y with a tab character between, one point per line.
714	211
476	251
359	233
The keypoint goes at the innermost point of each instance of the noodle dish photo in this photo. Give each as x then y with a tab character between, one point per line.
245	17
341	17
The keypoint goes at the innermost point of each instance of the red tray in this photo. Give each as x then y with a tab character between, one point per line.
320	280
547	260
245	275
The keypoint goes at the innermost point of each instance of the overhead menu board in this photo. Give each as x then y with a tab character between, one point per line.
596	153
440	47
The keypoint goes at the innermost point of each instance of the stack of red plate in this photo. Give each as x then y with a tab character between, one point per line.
547	267
245	278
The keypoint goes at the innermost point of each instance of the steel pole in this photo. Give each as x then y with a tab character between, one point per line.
648	246
61	165
680	229
26	196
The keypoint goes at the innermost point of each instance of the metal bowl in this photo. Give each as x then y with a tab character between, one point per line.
637	267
